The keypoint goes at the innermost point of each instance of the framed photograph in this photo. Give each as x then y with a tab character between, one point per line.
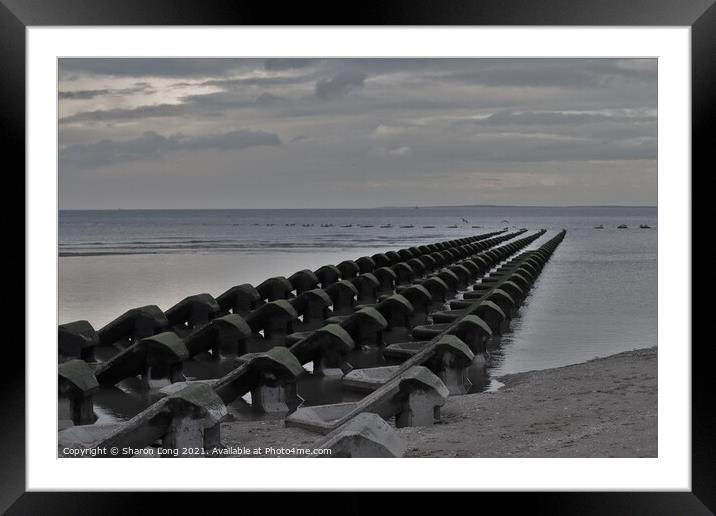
437	239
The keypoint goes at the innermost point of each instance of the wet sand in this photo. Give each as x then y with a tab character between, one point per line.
606	407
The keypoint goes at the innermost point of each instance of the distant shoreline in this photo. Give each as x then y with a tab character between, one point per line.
373	208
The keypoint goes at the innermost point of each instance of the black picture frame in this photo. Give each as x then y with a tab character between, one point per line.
17	15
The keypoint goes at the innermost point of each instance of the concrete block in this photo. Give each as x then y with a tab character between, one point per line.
303	281
349	269
275	319
448	316
85	436
463	274
421	396
429	331
196	412
404	350
417	266
365	327
393	256
368	379
269	397
367	285
473	331
420	298
240	299
397	311
380	260
77	383
492	314
386	277
188	417
366	264
278	366
275	288
158	356
343	296
192	312
77	340
450	279
502	299
450	362
365	436
314	307
133	325
328	275
438	291
413	397
326	347
226	334
319	418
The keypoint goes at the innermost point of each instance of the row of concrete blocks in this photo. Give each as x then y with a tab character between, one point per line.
503	291
162	354
78	339
272	319
421	390
165	350
483	312
186	409
190	415
190	419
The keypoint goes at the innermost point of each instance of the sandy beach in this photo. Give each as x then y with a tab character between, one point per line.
606	407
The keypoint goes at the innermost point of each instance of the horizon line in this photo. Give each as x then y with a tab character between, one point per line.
380	207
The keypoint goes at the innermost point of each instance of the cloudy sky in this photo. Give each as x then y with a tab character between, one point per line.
302	133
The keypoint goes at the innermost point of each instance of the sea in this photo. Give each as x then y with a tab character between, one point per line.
597	296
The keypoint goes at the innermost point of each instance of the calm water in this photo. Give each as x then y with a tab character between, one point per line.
596	297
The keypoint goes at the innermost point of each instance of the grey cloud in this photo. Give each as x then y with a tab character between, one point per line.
82	94
124	114
150	67
152	145
198	105
594	126
210	105
340	84
523	148
453	117
552	118
90	94
289	63
562	73
280	80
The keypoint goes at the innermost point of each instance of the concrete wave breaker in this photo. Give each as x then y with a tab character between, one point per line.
159	356
77	383
189	418
401	310
190	412
365	436
133	325
382	298
270	324
414	398
269	376
448	357
325	418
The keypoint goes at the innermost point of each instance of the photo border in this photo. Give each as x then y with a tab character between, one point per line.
700	15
